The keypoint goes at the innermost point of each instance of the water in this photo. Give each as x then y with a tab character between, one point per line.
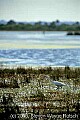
52	49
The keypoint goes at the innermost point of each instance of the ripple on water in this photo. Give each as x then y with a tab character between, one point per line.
40	57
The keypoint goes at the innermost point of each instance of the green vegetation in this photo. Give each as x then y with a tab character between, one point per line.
29	92
8	108
39	26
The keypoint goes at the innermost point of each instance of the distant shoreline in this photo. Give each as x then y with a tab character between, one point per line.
39	26
34	67
31	31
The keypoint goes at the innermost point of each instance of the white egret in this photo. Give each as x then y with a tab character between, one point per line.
58	84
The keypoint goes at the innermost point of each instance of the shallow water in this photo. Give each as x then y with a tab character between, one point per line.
52	49
30	40
40	57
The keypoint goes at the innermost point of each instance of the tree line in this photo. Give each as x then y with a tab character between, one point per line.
11	25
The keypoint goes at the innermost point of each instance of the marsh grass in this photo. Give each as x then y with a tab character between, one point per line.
32	91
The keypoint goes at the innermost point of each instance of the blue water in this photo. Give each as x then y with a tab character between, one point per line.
52	49
40	57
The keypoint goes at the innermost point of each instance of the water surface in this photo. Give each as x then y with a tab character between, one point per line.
39	49
11	40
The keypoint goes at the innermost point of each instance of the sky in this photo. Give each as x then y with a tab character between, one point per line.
40	10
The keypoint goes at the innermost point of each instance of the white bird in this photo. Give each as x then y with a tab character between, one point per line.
58	84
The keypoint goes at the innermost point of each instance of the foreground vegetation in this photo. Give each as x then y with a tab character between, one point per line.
39	26
29	94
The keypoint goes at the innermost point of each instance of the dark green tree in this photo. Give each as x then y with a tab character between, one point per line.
11	22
